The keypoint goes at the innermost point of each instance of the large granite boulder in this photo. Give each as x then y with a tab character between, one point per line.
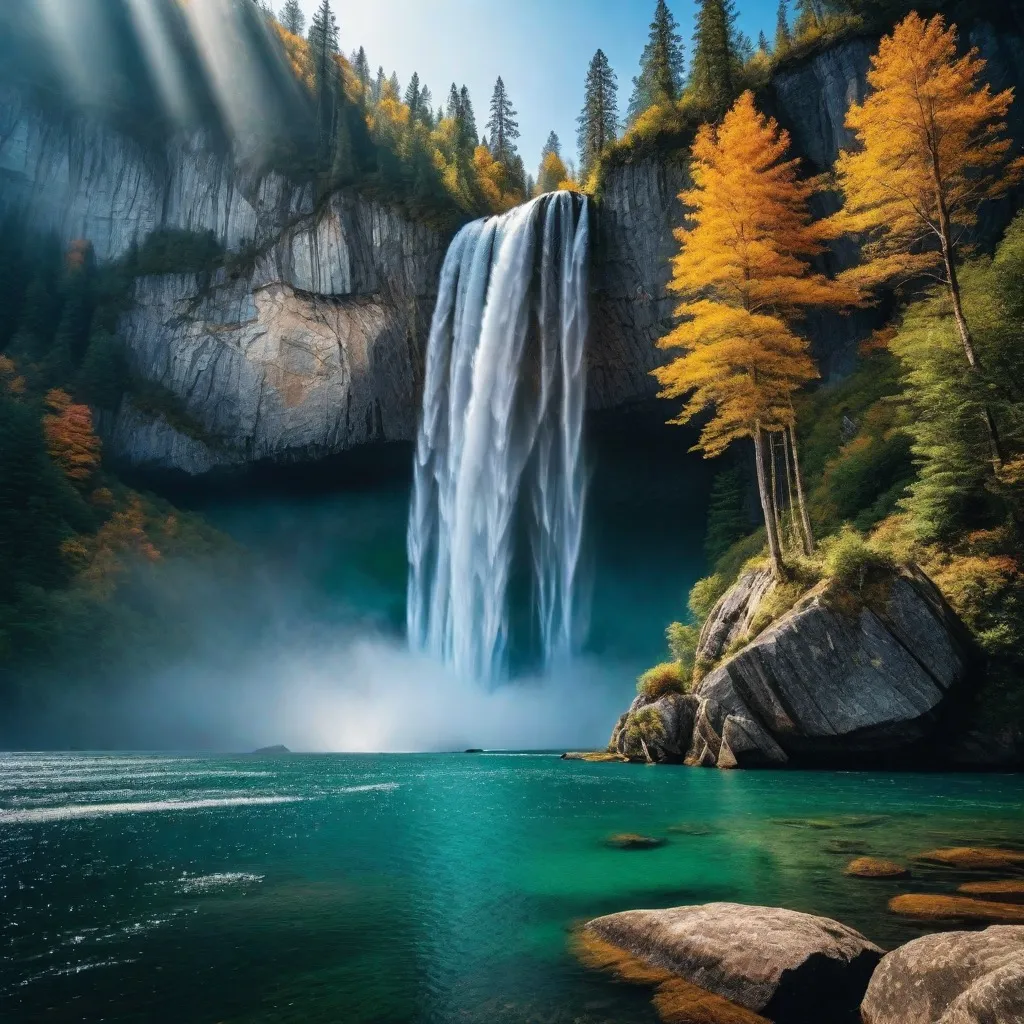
779	963
845	677
952	978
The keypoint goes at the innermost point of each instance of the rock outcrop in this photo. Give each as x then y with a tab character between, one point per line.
952	978
780	963
842	678
311	345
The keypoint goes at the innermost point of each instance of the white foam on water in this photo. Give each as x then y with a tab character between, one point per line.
218	880
78	811
385	787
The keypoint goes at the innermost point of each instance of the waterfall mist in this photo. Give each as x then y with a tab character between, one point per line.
499	476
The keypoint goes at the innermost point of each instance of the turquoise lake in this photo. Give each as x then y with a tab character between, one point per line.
417	888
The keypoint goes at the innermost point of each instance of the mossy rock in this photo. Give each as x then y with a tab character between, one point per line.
633	841
932	907
876	868
975	858
1009	890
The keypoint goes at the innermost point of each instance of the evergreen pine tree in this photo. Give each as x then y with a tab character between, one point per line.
412	97
377	91
762	43
661	65
599	121
783	36
467	120
713	69
727	519
395	85
292	18
426	107
323	45
553	145
503	128
361	66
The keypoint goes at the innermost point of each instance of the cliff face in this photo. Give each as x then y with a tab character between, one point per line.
640	210
311	345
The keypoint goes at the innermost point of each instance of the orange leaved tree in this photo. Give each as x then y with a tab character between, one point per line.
744	278
931	149
70	439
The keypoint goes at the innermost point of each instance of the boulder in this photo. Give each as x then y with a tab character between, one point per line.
975	858
876	867
844	678
951	978
1004	891
935	907
779	963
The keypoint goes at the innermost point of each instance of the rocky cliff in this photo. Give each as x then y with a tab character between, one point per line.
313	342
640	210
849	676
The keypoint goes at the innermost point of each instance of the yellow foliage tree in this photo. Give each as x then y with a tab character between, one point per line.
70	439
552	173
743	275
931	148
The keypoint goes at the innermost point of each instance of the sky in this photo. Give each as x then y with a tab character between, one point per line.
541	48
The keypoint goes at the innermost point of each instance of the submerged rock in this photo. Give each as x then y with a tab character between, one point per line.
1005	891
876	867
843	678
975	858
952	978
780	963
936	907
633	841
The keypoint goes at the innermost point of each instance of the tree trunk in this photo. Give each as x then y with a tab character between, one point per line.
766	507
805	519
775	492
791	489
953	283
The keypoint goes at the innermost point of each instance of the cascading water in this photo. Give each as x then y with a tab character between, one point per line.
499	474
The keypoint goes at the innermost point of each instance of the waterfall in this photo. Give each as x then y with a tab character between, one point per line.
500	483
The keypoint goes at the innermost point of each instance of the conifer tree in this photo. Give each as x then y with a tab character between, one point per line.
599	121
377	92
808	17
553	145
395	85
412	97
713	69
661	66
361	66
467	120
552	172
323	44
727	519
932	148
783	36
292	18
426	107
763	45
503	128
744	277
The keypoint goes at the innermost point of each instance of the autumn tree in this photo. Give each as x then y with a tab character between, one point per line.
714	65
292	18
808	17
661	66
931	148
552	173
599	121
502	127
744	278
70	439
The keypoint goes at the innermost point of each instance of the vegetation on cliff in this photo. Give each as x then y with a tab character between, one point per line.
917	457
77	547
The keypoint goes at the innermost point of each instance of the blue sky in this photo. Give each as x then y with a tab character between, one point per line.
541	49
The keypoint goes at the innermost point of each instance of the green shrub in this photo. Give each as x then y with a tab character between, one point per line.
668	677
706	594
847	558
682	644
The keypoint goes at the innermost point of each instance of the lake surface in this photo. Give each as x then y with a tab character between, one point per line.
416	888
